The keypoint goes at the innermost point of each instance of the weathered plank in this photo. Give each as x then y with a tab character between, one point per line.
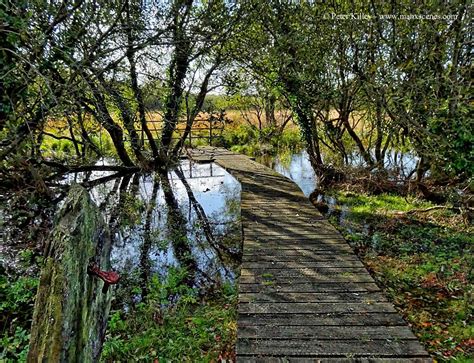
284	222
312	347
363	333
286	233
297	264
289	258
251	246
267	232
317	308
304	296
321	320
322	297
313	237
302	220
258	211
243	358
297	271
263	210
304	279
298	251
308	286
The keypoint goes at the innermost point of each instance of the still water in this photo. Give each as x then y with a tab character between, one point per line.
189	218
297	166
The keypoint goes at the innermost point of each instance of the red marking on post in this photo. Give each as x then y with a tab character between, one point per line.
109	277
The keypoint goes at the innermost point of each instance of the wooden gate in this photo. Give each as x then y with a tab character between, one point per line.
207	126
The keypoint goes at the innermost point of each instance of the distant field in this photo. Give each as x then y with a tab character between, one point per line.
233	118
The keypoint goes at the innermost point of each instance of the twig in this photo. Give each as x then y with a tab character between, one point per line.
413	211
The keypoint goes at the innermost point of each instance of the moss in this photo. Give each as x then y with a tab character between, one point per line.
46	339
71	310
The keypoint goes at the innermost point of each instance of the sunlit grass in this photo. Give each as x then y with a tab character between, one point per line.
424	261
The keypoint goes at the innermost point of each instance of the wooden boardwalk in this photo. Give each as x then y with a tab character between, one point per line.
304	296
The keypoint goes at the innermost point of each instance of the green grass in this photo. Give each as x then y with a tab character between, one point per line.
365	206
63	149
247	140
174	323
424	261
16	306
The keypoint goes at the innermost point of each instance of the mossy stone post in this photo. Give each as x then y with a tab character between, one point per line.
72	306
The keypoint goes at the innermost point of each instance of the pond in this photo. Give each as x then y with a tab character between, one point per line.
176	244
188	219
198	203
297	167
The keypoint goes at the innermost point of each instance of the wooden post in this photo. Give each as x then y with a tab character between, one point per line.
210	132
72	304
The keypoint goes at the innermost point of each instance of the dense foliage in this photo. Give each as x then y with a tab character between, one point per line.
396	75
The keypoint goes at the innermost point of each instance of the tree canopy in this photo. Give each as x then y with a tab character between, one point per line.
368	75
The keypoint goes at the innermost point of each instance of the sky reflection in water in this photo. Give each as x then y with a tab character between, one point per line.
208	197
297	167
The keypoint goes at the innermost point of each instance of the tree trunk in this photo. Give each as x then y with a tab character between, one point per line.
105	119
363	151
379	137
86	140
128	122
197	108
71	308
177	232
310	135
177	74
270	101
141	104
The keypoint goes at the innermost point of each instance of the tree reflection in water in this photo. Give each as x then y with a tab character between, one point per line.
187	218
178	234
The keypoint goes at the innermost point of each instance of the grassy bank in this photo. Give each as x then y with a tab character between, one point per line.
424	261
244	139
174	322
